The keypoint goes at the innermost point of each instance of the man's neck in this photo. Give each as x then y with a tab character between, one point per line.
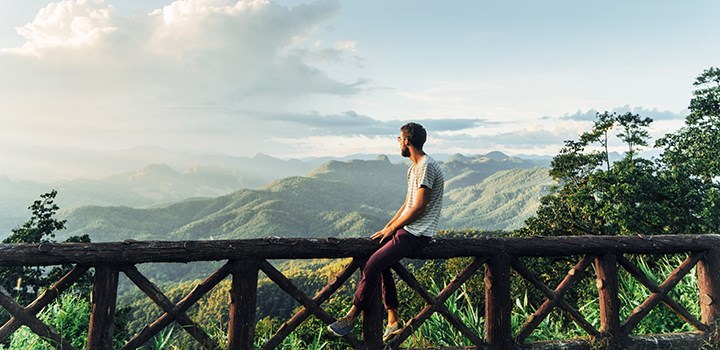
416	155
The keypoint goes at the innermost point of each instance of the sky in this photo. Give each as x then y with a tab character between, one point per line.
332	78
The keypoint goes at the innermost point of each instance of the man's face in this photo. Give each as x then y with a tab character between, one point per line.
404	150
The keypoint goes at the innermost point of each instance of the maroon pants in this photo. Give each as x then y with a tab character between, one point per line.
377	269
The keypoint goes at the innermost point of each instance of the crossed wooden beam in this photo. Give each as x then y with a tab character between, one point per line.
172	311
659	294
553	297
311	306
26	315
437	303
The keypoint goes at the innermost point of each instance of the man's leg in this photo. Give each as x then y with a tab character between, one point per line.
390	297
401	245
389	291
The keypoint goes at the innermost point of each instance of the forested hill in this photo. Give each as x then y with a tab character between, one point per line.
339	199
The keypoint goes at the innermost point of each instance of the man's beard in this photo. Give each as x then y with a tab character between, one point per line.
405	152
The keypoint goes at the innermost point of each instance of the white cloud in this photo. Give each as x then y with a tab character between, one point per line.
194	74
654	113
336	146
350	123
66	24
347	45
538	139
81	56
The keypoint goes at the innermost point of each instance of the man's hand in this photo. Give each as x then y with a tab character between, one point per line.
383	234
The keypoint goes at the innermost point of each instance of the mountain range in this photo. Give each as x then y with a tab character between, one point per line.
337	198
150	185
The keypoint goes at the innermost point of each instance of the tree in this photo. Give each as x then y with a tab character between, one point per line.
693	152
26	282
677	193
695	148
632	195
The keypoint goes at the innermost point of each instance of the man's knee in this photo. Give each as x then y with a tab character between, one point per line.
371	270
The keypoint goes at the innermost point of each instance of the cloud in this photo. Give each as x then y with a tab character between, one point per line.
182	76
536	136
654	113
350	45
65	24
342	52
451	138
352	123
532	137
214	52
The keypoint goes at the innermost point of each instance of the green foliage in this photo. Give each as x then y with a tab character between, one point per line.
693	152
69	315
595	196
661	319
695	148
42	225
26	282
436	331
633	195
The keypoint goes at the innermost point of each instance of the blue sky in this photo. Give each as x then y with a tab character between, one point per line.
316	78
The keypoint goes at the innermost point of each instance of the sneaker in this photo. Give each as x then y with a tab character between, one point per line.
342	327
392	331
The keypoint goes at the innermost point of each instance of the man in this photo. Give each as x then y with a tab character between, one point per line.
408	232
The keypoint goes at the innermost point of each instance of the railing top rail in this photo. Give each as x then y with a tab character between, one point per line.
134	252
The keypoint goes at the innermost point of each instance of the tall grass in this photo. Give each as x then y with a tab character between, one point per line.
436	331
69	315
318	340
661	319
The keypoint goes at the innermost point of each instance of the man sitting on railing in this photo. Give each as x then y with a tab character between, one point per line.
408	232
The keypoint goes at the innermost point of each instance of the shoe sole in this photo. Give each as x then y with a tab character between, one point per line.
390	337
332	331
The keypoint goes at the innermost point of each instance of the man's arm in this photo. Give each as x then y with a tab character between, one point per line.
418	208
399	212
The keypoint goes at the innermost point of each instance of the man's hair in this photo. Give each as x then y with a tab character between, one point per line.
415	134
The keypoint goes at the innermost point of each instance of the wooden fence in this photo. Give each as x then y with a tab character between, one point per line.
498	256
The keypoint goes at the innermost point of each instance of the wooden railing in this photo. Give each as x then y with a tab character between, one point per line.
498	256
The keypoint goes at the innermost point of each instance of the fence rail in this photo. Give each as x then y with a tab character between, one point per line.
498	257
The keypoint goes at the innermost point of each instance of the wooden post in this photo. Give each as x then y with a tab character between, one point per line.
102	316
372	322
243	304
498	305
708	272
607	284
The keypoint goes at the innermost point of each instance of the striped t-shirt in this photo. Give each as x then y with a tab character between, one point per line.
426	173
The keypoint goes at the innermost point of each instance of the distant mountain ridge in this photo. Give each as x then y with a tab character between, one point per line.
337	198
462	171
153	184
